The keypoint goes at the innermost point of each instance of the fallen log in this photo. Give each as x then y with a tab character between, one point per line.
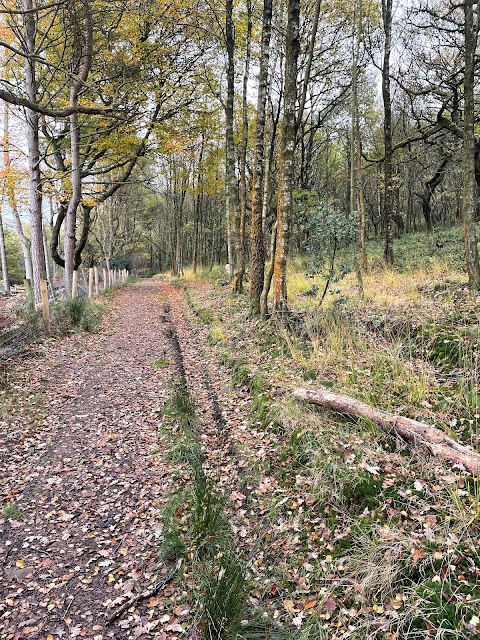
437	442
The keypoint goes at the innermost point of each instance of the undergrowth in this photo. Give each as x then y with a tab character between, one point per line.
78	314
196	527
262	410
393	533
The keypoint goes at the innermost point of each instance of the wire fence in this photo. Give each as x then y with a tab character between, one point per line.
32	322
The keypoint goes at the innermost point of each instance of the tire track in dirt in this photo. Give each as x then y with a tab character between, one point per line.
214	435
229	442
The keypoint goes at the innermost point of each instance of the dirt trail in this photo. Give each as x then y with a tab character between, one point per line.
86	475
79	460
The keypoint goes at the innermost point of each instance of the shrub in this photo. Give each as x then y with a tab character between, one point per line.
77	314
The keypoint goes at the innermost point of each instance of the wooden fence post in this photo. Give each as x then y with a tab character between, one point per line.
74	284
95	273
90	282
45	305
105	279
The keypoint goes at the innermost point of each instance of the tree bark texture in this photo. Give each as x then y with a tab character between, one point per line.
244	145
287	159
387	15
35	179
437	442
233	210
3	259
257	254
10	194
76	169
470	189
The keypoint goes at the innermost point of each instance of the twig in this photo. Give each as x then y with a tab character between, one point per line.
158	586
72	598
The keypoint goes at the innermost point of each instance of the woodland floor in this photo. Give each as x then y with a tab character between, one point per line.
344	532
79	459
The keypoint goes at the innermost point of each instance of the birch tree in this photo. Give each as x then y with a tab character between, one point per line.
3	258
287	158
82	52
39	270
387	17
257	255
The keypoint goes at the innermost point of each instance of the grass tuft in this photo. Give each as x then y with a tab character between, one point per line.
223	598
79	314
12	512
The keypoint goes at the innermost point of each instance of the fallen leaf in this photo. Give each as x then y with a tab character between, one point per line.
417	554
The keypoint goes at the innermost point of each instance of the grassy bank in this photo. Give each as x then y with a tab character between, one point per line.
368	536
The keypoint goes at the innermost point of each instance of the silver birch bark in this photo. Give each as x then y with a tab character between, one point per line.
71	215
10	194
35	178
287	152
3	259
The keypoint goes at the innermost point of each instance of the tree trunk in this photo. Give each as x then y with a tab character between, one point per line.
233	211
10	193
257	255
308	67
269	276
287	151
387	133
244	146
437	442
198	201
3	259
71	215
430	186
35	178
76	197
356	187
470	189
356	198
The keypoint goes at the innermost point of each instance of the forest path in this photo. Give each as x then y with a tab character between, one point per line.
83	477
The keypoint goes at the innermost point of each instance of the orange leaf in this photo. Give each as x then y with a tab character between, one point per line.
417	554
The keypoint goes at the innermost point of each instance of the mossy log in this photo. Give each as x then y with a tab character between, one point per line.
419	433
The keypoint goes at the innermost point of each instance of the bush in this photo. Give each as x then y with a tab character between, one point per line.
77	314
